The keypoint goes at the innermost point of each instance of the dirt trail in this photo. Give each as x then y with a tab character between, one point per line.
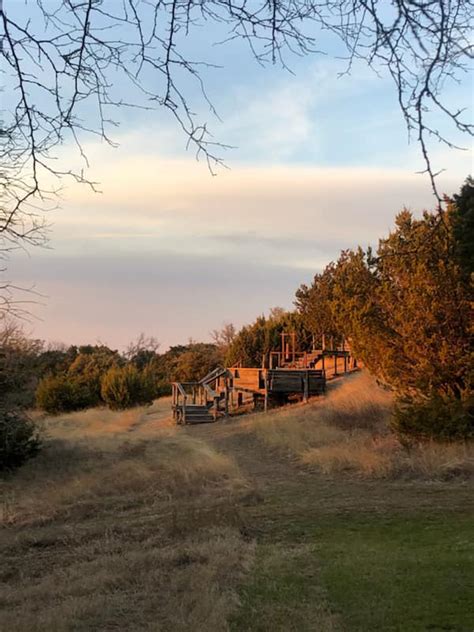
155	417
264	468
287	488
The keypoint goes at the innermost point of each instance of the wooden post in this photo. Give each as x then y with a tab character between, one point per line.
335	362
323	348
226	386
184	409
265	401
306	386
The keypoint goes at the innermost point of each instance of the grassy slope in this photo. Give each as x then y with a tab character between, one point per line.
115	526
124	523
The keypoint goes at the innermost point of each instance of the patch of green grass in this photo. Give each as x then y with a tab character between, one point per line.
283	593
364	572
399	572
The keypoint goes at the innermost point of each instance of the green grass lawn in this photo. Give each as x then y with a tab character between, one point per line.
365	572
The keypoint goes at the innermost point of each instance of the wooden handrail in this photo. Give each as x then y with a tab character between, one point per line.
179	386
213	375
178	389
210	390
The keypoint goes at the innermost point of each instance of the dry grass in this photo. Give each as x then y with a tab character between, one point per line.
357	402
114	526
104	422
348	431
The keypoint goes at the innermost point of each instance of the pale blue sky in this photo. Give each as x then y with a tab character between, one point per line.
320	163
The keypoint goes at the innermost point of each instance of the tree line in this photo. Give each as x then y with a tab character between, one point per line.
60	378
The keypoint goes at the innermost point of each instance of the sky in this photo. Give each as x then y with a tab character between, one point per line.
319	163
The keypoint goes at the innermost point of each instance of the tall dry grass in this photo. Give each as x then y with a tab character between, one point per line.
103	422
348	431
115	526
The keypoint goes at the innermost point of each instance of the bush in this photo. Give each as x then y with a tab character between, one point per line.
123	387
19	439
88	369
57	394
439	418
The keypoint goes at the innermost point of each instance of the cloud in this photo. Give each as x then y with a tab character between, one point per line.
170	296
179	205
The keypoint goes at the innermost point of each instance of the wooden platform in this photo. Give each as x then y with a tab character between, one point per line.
285	375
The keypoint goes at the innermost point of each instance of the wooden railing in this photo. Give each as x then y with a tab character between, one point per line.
185	394
179	400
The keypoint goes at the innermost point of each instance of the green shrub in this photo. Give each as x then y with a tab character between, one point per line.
88	369
19	439
437	417
123	387
57	394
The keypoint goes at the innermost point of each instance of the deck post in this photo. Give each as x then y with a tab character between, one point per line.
323	348
226	404
265	401
306	386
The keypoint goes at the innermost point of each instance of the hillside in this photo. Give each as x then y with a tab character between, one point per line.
305	518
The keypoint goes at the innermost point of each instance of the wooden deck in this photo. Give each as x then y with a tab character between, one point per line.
286	375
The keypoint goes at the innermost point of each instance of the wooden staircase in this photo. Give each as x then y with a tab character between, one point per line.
200	402
197	414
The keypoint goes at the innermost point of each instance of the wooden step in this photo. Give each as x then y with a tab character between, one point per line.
198	414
